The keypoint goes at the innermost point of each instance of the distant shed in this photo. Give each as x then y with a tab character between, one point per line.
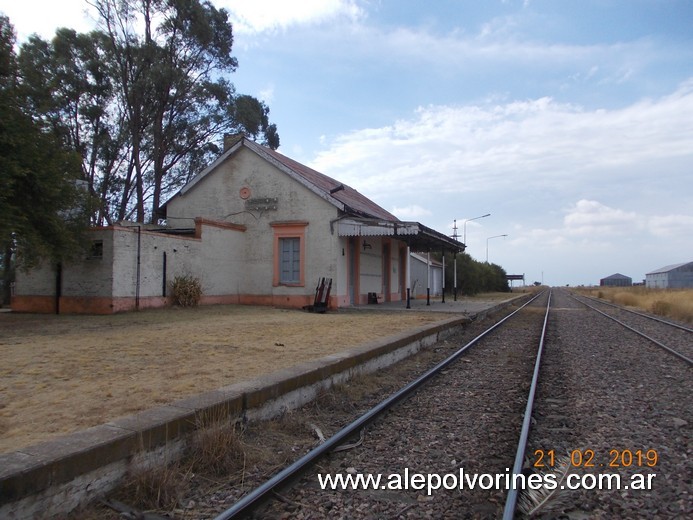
616	280
676	276
419	276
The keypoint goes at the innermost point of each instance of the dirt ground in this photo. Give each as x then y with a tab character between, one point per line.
64	373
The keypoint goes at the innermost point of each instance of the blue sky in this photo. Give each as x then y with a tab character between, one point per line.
571	122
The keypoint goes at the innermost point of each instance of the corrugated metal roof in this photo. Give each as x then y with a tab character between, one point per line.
668	268
355	201
344	197
617	276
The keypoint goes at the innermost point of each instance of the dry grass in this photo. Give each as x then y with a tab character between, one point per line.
676	304
220	454
64	373
157	488
259	449
216	447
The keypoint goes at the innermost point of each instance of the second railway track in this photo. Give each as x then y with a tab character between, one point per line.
675	337
618	408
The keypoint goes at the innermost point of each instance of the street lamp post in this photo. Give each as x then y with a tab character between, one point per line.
489	238
464	241
464	238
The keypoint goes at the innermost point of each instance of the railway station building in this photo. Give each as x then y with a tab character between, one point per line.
254	227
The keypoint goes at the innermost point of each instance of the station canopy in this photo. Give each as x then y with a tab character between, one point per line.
417	236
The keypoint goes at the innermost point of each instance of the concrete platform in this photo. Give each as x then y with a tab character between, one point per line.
54	477
469	307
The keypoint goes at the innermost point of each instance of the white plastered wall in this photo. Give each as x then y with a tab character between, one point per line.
218	197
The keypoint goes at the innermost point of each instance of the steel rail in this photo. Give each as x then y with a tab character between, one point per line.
511	499
621	308
256	497
642	334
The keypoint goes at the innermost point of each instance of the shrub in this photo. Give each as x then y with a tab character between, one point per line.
187	291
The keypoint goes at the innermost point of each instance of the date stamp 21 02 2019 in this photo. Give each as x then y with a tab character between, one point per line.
589	458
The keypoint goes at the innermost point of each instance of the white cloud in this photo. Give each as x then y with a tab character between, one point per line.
672	226
271	15
43	18
496	45
593	219
537	144
412	212
594	225
267	94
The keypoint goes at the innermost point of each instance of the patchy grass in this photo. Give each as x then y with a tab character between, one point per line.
60	374
676	304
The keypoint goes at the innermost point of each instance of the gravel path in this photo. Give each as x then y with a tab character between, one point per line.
606	391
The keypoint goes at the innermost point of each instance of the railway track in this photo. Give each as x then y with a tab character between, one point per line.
607	402
617	408
671	336
464	421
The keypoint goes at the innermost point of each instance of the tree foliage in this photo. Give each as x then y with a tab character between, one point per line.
65	87
474	277
41	204
143	100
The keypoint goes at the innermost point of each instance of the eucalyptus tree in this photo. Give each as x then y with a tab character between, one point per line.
144	99
41	205
169	59
66	86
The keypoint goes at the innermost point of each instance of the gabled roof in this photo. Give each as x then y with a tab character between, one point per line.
358	210
353	201
340	195
617	276
668	268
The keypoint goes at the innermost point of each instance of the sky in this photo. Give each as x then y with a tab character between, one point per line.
569	122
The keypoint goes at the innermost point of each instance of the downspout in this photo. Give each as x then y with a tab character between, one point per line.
428	278
163	284
58	286
408	278
137	283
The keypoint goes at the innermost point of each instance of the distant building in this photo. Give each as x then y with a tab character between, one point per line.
677	276
421	269
616	280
